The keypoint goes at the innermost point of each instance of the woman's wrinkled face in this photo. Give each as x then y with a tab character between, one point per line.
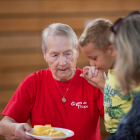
61	56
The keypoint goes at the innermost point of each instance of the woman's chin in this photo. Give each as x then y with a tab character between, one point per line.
61	78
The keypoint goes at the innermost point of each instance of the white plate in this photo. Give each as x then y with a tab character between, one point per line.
68	132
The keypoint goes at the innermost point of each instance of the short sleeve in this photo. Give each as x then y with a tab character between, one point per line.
20	105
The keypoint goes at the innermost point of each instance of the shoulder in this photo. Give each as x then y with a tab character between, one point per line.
79	70
79	78
36	76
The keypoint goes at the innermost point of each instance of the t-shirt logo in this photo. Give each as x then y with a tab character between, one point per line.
80	104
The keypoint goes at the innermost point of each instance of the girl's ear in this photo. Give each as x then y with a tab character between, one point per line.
112	50
44	54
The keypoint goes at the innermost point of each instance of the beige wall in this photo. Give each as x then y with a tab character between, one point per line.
21	23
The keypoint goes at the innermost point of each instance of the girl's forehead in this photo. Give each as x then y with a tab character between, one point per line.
89	49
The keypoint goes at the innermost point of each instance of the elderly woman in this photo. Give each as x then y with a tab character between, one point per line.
57	95
127	43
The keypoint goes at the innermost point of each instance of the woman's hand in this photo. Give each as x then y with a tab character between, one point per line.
20	131
12	130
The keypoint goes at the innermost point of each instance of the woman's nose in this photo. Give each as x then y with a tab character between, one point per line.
62	61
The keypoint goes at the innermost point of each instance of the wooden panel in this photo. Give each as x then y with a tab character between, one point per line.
39	24
22	68
12	78
1	116
21	59
67	6
5	97
104	133
2	138
20	41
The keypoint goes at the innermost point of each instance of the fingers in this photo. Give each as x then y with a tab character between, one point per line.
85	71
96	72
27	127
20	132
89	72
82	75
94	76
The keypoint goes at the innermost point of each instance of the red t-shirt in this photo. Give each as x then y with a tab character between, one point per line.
39	99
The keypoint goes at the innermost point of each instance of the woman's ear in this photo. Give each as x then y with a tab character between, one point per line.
112	50
44	54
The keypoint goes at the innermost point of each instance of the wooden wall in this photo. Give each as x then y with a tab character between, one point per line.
21	24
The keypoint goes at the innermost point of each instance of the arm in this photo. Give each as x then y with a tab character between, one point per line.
12	130
18	109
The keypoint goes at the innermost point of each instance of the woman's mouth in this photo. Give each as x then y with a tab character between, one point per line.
62	70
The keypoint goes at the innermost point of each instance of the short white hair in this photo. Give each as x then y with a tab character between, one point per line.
58	29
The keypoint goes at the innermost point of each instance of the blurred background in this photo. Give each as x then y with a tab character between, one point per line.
21	24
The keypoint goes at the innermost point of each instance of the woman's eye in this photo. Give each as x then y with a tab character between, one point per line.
94	58
54	55
67	54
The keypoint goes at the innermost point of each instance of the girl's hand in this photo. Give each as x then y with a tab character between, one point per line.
94	76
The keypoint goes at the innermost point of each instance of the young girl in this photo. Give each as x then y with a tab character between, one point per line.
127	43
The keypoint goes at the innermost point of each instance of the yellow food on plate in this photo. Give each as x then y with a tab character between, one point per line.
48	125
47	132
53	133
58	133
38	129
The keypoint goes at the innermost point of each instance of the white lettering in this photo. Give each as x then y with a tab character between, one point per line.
73	103
80	104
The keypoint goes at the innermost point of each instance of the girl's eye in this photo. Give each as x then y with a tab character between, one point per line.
67	54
